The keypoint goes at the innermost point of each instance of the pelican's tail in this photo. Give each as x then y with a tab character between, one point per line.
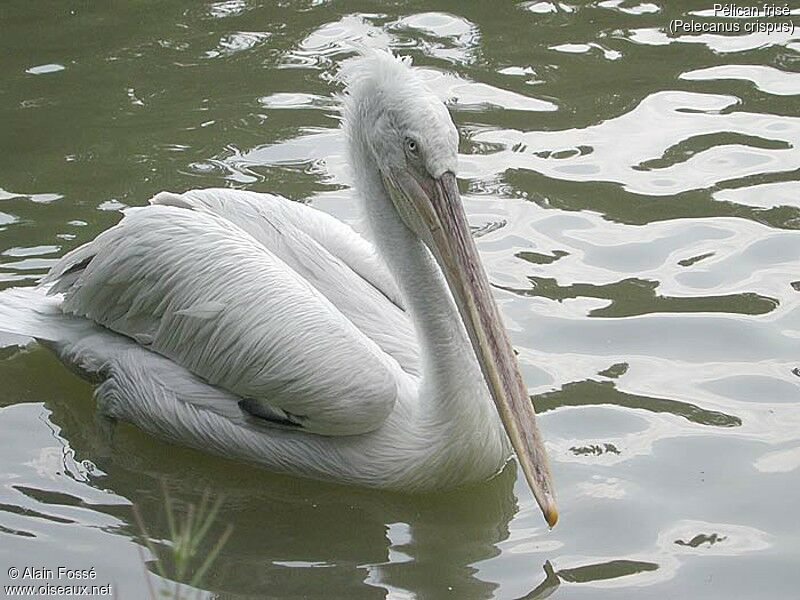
30	312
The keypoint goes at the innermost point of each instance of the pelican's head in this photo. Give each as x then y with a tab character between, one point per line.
408	134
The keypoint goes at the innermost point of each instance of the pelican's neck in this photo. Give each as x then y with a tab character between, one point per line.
450	372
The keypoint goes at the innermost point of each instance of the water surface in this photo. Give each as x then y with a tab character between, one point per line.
637	201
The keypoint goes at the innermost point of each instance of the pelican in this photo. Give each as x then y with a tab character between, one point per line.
264	330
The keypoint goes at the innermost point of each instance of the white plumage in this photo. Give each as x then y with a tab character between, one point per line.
191	285
264	330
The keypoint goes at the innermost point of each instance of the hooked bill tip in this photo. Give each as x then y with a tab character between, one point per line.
551	516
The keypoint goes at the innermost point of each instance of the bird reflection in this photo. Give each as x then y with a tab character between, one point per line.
288	534
299	535
548	586
313	538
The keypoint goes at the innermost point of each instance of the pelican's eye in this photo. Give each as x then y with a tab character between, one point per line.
412	146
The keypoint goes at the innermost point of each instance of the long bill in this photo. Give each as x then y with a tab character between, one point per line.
439	211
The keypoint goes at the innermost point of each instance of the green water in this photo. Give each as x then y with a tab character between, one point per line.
637	197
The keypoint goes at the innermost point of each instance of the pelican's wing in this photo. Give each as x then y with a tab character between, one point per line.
325	252
196	288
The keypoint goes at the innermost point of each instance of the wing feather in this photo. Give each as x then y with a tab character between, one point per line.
325	252
253	211
205	293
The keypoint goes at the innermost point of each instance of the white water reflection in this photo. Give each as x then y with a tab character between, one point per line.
722	44
766	195
767	79
654	164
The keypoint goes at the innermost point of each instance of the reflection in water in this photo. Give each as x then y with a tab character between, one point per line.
389	541
614	371
547	587
727	540
638	209
288	533
538	258
688	262
595	450
607	570
702	538
631	297
603	571
689	147
280	524
594	393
